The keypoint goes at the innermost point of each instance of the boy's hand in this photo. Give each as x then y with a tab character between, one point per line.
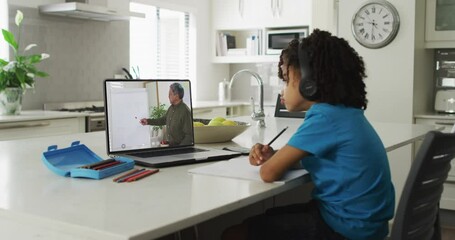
260	153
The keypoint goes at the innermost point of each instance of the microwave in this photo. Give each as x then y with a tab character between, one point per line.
278	39
440	20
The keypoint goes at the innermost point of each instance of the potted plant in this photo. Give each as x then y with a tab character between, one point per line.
157	112
19	73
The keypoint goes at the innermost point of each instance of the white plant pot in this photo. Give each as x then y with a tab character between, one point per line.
155	137
11	101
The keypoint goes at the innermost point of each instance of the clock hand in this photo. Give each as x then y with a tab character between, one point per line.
375	25
372	32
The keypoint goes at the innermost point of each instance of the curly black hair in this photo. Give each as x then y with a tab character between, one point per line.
336	67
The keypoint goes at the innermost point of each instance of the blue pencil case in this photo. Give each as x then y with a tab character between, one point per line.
68	161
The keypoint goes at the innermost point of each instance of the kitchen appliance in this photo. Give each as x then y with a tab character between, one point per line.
278	38
445	80
439	23
445	101
95	119
98	10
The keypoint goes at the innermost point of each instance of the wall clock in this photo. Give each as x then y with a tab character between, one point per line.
375	24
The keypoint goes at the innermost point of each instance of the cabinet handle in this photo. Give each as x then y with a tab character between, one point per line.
26	125
202	111
241	8
97	118
278	8
445	123
272	7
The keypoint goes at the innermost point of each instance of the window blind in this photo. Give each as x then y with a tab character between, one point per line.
159	43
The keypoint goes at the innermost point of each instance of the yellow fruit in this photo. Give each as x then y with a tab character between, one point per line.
198	124
218	119
215	123
229	123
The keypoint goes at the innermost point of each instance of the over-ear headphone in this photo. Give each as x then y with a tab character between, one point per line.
307	87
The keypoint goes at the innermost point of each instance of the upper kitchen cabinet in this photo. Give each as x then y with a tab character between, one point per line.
32	4
100	10
440	24
248	14
241	27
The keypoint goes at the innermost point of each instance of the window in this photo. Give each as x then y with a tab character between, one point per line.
3	25
159	43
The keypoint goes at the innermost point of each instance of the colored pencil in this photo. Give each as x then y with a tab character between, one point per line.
90	166
136	175
103	166
123	179
126	174
142	175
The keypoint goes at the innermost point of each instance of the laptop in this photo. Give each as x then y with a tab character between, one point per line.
159	143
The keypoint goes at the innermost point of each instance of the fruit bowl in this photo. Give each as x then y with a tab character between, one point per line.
216	134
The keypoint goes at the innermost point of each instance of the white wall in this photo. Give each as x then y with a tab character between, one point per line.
400	81
207	74
3	25
34	3
391	70
76	71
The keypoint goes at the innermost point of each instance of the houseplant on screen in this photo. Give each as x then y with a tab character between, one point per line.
17	74
157	112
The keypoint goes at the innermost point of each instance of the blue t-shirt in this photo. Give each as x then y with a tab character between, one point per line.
349	167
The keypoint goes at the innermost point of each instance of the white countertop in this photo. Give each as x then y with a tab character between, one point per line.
234	103
393	135
35	203
33	115
440	116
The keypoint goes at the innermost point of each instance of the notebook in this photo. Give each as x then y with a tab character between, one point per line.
163	143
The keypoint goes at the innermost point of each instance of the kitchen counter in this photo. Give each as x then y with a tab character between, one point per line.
38	204
439	116
234	103
41	123
33	115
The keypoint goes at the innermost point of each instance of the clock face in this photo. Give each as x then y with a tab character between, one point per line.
375	24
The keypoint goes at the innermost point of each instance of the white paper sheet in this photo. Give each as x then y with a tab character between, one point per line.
241	168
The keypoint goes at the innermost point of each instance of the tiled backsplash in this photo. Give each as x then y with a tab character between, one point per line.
82	54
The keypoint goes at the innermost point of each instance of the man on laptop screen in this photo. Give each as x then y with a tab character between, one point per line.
177	118
134	130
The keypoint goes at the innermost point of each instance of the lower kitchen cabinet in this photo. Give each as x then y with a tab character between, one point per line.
209	113
226	112
41	128
446	121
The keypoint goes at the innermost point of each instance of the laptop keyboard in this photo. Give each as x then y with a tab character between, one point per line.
168	152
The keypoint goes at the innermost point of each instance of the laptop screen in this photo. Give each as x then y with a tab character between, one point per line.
148	114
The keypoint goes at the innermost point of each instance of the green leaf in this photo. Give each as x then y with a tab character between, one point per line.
21	75
41	74
3	62
34	58
30	69
21	59
9	38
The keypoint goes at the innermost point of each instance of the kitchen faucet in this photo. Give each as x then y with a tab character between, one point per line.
257	116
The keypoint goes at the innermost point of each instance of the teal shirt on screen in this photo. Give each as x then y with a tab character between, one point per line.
349	167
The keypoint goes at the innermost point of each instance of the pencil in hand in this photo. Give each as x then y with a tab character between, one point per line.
279	134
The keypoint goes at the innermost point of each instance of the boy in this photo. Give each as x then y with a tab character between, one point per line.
353	197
